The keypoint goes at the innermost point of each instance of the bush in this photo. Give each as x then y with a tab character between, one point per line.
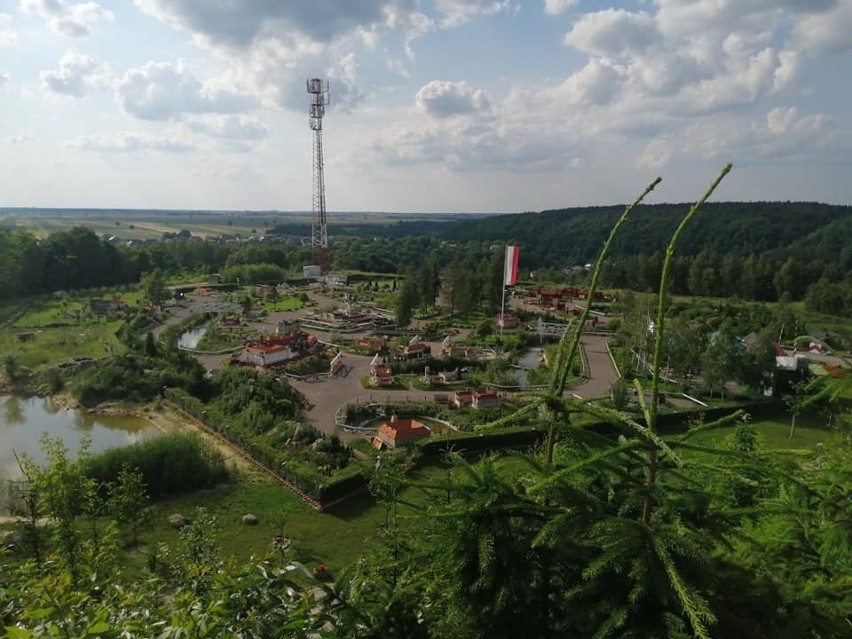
170	464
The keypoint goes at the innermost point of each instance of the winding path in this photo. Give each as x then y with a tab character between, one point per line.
326	396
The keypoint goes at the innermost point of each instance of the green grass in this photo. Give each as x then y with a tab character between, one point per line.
53	313
334	538
811	432
283	304
54	345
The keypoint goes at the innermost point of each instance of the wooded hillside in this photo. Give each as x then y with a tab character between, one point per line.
804	230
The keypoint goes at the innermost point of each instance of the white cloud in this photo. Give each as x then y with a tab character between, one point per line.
77	75
229	127
273	46
5	80
164	91
599	82
443	99
657	153
555	7
457	12
788	70
239	23
828	32
72	20
613	32
784	120
8	37
128	143
691	17
21	138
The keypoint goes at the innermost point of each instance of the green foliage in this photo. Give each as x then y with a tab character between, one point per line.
253	274
168	465
128	499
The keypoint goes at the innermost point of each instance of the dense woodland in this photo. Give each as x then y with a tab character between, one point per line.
754	251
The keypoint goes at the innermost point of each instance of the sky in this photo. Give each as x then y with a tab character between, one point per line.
435	105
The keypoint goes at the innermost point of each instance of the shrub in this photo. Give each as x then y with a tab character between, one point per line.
170	464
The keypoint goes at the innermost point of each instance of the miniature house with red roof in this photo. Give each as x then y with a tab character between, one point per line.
399	432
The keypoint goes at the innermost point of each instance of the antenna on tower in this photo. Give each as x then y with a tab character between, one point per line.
319	99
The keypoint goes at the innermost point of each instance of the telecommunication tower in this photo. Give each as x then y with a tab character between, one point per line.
318	92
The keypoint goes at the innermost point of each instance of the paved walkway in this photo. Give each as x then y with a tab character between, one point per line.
601	373
327	395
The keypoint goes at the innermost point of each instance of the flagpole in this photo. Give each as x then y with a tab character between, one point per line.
503	304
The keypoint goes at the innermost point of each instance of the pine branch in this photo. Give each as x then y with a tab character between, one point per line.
693	604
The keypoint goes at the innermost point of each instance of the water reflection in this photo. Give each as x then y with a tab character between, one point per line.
13	412
190	339
23	421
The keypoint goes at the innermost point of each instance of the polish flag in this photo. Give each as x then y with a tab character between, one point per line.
510	275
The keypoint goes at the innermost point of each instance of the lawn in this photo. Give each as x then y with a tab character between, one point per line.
774	434
336	537
54	345
283	304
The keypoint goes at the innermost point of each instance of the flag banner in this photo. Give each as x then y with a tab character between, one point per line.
510	276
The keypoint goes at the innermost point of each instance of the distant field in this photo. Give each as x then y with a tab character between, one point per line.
144	228
151	224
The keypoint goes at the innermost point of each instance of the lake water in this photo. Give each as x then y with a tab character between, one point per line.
190	339
23	420
529	360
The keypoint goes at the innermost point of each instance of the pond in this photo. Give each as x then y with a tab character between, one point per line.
529	360
189	340
23	420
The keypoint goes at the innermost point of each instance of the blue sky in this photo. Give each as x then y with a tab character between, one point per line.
437	105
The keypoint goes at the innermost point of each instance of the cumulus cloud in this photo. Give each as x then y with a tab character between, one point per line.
343	80
5	80
599	82
229	127
442	99
240	23
555	7
690	17
613	32
827	32
128	143
77	75
8	37
783	120
457	12
20	138
72	20
165	91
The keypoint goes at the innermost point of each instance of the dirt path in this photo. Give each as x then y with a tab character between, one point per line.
170	422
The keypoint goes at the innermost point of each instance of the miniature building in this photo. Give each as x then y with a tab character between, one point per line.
374	343
312	270
508	321
102	307
381	375
399	432
269	351
476	399
453	376
418	350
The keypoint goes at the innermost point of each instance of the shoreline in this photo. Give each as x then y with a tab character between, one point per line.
161	417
